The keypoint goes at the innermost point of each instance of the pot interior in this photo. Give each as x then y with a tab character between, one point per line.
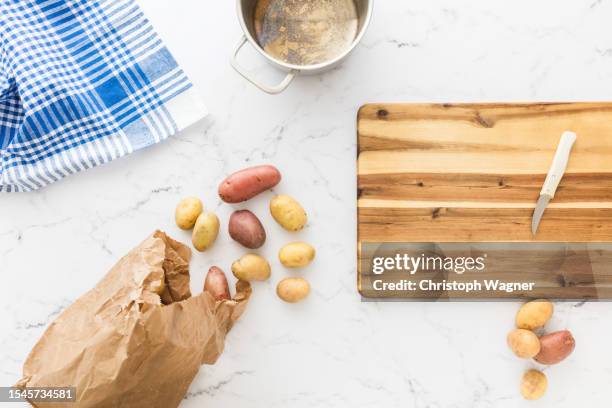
303	33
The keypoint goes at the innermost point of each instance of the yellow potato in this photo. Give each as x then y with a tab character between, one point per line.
293	290
534	314
251	267
524	343
156	284
533	385
288	213
187	212
205	231
296	254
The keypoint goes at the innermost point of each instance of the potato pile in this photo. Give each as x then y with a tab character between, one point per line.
545	349
190	214
245	228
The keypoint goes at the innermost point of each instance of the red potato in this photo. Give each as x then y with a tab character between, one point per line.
216	284
247	183
246	229
555	347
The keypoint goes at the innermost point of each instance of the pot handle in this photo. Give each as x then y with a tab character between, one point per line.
274	89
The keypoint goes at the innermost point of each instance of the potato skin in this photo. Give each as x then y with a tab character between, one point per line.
205	231
292	290
247	183
187	212
288	213
251	267
216	284
533	385
555	347
246	229
159	286
523	343
296	254
534	314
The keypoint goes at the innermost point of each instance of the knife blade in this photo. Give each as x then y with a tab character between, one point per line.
554	176
539	211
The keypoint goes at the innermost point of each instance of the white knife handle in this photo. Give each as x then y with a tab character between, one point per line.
559	164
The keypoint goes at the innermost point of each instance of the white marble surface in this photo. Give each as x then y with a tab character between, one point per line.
332	350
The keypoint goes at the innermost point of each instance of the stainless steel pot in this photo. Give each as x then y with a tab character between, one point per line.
246	10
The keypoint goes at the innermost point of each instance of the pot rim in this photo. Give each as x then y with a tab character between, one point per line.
312	67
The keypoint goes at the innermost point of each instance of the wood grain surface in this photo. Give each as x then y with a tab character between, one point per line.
473	172
575	271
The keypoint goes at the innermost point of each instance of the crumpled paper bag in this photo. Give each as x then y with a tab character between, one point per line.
123	345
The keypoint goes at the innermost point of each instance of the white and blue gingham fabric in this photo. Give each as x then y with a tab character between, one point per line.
82	82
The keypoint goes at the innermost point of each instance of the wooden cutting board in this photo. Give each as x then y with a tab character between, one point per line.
473	172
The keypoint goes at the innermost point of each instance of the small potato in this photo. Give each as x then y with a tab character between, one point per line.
205	231
159	285
247	183
288	213
555	347
216	284
296	254
523	343
292	290
246	229
533	385
251	267
187	212
534	314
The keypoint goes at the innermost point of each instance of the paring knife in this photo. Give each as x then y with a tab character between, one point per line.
557	169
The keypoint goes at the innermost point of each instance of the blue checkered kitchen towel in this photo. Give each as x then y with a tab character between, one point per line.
82	82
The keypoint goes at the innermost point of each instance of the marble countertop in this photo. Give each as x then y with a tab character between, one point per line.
331	350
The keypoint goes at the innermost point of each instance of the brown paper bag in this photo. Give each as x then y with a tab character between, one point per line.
120	346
